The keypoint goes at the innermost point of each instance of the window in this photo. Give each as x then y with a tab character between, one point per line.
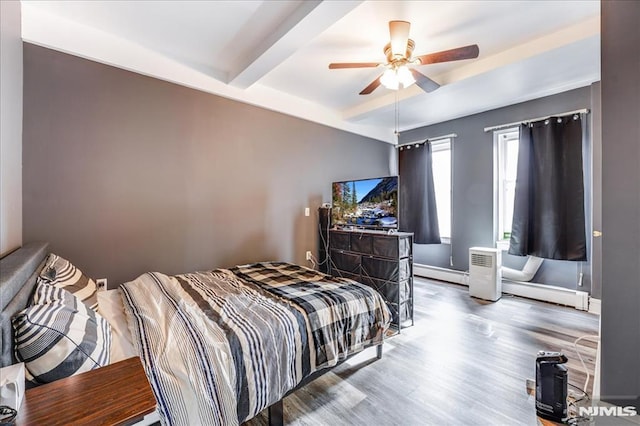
507	166
441	161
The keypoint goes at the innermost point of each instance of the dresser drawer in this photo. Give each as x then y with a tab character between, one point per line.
339	240
361	243
345	261
389	290
385	246
405	247
385	269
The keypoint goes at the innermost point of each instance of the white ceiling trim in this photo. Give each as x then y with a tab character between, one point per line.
52	31
566	36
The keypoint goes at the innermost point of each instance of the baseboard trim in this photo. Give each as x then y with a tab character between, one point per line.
548	293
545	293
442	274
594	305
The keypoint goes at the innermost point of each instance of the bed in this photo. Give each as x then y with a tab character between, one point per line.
220	346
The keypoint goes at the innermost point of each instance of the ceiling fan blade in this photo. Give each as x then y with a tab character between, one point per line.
371	87
338	65
424	82
399	32
466	52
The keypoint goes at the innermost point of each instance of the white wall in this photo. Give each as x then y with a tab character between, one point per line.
10	127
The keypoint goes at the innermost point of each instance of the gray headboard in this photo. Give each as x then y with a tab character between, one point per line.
18	272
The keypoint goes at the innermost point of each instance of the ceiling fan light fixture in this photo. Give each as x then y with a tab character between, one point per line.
405	77
390	79
394	77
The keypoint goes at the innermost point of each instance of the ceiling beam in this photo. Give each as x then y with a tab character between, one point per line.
483	65
306	22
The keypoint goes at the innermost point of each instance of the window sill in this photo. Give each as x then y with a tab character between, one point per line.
445	240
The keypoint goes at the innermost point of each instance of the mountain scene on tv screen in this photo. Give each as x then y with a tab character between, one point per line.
370	203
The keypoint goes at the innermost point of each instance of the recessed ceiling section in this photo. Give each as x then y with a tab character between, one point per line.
195	34
258	33
304	23
275	54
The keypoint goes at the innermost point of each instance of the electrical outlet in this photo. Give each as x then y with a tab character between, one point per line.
309	255
101	284
307	212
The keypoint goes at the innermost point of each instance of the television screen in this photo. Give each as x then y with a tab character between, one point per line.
367	203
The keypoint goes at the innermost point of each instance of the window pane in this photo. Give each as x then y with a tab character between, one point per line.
441	160
511	159
507	173
509	193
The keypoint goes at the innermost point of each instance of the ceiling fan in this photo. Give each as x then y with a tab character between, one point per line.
399	59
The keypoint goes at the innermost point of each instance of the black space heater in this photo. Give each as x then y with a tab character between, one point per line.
551	386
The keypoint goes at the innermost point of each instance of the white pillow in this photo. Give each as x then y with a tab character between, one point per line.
111	308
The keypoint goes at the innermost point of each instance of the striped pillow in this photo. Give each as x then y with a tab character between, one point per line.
60	336
61	273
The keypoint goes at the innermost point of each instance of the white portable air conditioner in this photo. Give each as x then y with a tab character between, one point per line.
485	275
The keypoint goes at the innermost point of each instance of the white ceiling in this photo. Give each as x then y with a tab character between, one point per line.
274	54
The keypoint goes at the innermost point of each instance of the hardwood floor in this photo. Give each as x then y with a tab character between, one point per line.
465	362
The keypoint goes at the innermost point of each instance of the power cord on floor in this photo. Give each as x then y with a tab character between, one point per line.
575	419
585	395
584	367
578	420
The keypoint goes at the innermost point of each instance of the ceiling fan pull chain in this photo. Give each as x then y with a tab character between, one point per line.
397	118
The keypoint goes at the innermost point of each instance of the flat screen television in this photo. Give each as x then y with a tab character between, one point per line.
366	203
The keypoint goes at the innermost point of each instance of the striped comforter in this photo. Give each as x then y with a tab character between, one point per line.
218	348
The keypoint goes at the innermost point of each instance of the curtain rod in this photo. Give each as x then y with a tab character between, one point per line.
437	138
517	123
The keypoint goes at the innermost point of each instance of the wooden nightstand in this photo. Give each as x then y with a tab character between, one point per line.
118	394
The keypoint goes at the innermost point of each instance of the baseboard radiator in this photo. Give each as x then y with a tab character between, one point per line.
545	293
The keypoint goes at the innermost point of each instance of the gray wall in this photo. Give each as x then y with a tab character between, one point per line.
620	326
10	127
596	191
124	173
472	196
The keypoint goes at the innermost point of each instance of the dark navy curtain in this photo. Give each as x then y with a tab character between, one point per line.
548	214
417	198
